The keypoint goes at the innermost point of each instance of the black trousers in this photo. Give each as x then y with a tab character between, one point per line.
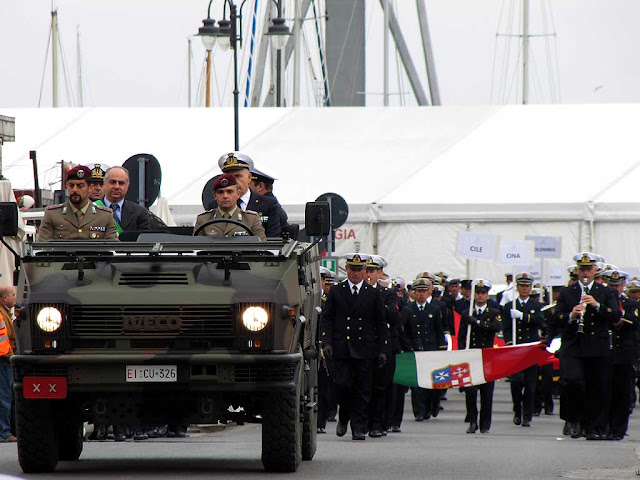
354	381
544	389
327	402
425	401
397	404
382	381
585	391
523	389
486	404
621	387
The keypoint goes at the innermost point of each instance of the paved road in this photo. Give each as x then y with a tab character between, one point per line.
437	448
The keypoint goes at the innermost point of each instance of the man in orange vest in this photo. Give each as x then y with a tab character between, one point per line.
7	346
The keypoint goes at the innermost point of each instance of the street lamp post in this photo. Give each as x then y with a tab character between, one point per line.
229	34
208	32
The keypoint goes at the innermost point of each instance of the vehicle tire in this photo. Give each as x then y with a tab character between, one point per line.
70	440
37	447
282	430
310	427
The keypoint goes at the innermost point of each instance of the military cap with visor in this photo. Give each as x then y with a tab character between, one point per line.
615	277
524	278
466	284
633	286
422	284
586	259
235	161
483	285
98	171
259	176
356	259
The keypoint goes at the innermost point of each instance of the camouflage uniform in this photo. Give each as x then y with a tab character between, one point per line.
61	222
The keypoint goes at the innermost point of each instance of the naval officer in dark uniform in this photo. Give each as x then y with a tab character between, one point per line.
485	323
355	335
529	320
585	313
77	218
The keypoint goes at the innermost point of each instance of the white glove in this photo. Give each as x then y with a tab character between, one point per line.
516	313
447	338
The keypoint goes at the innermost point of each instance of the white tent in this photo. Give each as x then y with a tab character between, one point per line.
413	177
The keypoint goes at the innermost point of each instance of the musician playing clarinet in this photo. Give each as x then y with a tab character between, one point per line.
585	314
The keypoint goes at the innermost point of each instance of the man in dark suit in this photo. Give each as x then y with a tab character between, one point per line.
239	165
585	313
129	215
485	323
528	319
355	335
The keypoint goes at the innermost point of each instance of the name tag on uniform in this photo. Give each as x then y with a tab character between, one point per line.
97	229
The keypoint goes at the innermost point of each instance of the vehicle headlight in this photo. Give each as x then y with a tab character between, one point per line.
255	318
49	319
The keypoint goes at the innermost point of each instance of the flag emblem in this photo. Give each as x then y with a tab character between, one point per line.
451	376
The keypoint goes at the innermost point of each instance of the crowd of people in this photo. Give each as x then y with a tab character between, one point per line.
368	318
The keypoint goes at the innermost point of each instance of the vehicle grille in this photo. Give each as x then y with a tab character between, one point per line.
20	372
194	321
264	373
146	279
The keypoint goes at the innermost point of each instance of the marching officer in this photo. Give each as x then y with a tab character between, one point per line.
624	356
77	218
227	192
327	403
355	335
485	323
426	318
585	313
529	319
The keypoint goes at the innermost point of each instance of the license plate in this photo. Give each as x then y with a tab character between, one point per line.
151	373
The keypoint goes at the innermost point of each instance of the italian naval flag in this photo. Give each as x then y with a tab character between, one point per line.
464	368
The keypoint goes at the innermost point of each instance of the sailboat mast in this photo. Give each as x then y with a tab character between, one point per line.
79	61
189	72
385	83
525	52
54	55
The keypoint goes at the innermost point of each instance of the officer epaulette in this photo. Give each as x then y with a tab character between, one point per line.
53	207
100	207
208	211
251	212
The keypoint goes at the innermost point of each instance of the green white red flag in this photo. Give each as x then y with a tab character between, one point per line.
464	368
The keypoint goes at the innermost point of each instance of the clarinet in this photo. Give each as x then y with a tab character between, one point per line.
583	282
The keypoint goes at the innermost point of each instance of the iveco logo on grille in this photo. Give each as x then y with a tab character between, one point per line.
152	323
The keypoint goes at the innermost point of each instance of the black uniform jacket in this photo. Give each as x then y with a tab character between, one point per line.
624	333
134	217
483	332
391	315
354	326
427	326
528	327
596	339
268	209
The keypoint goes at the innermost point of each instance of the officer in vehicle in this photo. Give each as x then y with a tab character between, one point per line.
96	180
77	218
355	335
227	192
239	165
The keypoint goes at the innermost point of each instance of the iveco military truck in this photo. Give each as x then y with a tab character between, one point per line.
171	330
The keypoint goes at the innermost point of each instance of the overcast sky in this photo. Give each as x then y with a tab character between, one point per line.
135	51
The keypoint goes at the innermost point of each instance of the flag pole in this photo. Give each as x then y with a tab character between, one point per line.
471	305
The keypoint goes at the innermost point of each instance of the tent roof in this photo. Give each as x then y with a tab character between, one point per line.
544	160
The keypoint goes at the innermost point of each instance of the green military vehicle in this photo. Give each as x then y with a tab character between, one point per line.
171	330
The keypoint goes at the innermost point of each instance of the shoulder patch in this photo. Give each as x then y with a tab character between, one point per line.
100	207
53	207
251	212
208	211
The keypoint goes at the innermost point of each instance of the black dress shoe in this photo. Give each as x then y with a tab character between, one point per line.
181	431
120	437
484	430
591	436
473	426
101	433
526	423
140	435
419	418
321	430
566	430
341	429
576	430
358	436
617	438
375	433
435	411
396	429
517	419
384	432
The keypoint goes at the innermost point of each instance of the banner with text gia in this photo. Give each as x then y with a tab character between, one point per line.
476	246
515	253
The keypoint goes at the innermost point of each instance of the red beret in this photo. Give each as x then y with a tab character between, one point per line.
79	173
225	180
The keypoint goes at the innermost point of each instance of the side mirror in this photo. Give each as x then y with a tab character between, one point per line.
8	219
317	219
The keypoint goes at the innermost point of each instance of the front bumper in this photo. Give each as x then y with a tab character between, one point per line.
199	372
